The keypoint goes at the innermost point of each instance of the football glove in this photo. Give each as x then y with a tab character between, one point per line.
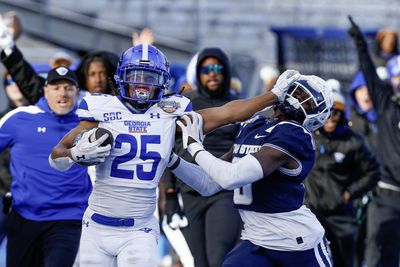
174	213
283	83
6	39
193	130
355	33
90	152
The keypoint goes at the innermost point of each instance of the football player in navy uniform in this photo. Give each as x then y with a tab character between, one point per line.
266	167
119	225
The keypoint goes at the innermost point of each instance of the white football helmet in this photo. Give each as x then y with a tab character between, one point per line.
310	100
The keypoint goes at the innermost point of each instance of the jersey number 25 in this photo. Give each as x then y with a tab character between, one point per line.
143	154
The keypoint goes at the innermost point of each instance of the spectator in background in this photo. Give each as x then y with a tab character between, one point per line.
363	116
387	46
94	72
209	245
44	226
344	170
383	216
60	58
15	99
363	121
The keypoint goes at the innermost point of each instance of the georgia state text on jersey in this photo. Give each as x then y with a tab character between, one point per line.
143	144
276	201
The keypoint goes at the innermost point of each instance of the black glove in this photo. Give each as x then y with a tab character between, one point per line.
355	33
173	211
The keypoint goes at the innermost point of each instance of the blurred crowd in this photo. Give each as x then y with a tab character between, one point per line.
353	188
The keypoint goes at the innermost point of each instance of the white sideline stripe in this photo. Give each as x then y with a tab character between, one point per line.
319	259
27	109
325	251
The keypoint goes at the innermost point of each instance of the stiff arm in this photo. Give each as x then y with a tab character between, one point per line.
235	111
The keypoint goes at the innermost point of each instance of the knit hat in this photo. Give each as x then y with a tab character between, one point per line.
338	97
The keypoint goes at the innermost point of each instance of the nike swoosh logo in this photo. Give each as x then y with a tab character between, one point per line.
259	136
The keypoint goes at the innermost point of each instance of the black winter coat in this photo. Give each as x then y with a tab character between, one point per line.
343	163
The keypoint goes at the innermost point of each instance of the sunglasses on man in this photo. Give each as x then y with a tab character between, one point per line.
209	68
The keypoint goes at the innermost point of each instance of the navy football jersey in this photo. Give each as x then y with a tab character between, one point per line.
282	190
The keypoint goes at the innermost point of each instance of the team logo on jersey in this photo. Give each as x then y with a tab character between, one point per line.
245	149
169	106
146	230
137	126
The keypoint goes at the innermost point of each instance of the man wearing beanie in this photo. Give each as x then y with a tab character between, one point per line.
344	170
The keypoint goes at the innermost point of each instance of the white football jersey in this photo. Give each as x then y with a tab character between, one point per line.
126	182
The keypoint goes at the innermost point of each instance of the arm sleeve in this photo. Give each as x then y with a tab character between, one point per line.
194	176
29	82
228	175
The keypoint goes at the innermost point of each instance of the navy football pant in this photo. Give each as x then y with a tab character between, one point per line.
44	244
247	254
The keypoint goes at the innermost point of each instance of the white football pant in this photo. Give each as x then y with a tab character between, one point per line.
111	246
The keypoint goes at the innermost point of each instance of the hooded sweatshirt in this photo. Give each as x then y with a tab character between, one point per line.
363	122
41	193
221	140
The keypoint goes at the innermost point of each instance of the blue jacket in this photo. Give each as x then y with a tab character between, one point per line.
41	193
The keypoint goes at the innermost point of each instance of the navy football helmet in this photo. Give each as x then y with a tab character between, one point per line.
308	100
142	76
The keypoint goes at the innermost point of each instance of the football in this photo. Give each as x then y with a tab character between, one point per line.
99	132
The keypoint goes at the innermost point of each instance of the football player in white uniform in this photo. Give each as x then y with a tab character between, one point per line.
119	227
266	167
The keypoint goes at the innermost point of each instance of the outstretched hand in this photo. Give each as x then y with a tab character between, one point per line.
355	33
6	37
192	128
285	80
145	37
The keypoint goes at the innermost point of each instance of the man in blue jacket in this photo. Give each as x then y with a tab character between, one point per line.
44	226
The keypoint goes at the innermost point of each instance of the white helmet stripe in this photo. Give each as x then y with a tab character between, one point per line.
145	53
